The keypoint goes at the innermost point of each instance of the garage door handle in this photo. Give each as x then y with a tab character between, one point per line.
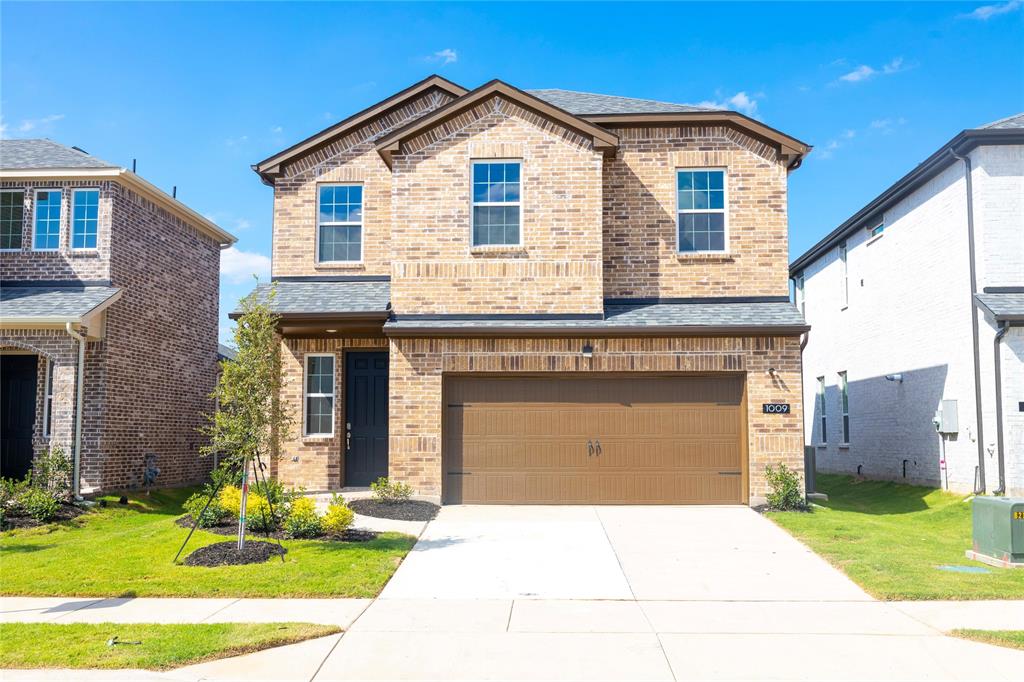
598	448
590	448
730	473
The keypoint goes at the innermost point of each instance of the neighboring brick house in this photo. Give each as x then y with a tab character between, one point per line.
100	269
537	297
911	302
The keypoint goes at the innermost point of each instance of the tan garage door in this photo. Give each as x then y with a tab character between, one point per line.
594	440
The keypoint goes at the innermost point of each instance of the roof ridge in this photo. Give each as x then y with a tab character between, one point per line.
635	99
992	124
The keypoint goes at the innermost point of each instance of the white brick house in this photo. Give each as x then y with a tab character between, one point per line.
891	293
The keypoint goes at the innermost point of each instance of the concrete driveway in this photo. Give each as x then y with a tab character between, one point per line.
636	593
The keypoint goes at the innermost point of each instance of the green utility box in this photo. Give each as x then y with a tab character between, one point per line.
998	531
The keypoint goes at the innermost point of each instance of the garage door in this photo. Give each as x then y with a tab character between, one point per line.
594	440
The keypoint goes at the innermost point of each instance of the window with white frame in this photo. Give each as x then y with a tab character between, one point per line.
878	229
845	406
496	203
798	290
821	409
340	224
46	227
85	207
700	203
48	404
319	395
844	283
12	218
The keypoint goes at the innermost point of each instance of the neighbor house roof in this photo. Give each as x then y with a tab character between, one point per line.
1004	307
226	352
584	103
35	305
1004	131
49	160
326	297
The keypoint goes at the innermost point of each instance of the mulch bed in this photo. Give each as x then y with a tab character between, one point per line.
350	535
228	554
66	512
410	510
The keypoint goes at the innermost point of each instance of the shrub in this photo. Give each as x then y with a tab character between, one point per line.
390	492
338	517
11	492
230	500
257	511
279	498
785	488
303	521
213	515
39	504
51	473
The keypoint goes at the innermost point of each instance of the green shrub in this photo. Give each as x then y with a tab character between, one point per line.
214	514
230	500
338	517
257	511
39	504
785	488
51	472
390	493
303	520
11	492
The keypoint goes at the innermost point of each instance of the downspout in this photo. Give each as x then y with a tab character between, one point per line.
79	401
1001	490
979	487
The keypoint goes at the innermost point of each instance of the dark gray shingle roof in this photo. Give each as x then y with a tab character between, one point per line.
584	103
1008	123
1003	306
226	352
326	297
63	303
41	153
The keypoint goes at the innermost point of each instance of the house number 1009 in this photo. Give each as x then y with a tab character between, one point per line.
775	408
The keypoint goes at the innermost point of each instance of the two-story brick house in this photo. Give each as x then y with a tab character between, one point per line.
108	319
537	297
916	304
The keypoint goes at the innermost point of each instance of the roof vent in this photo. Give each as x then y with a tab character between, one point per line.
79	149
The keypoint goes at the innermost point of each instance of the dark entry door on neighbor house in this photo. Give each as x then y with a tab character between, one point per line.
17	414
366	417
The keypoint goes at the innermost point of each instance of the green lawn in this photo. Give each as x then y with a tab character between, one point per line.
889	539
84	645
127	551
1008	638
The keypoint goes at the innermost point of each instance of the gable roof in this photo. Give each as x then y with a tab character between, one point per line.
269	168
390	143
1004	306
43	153
588	103
34	305
1004	131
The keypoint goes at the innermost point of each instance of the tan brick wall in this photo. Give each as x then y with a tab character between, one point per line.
640	250
350	159
314	463
558	267
418	366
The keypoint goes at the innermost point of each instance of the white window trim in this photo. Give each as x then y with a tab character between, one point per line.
349	223
306	395
878	225
799	282
473	204
823	418
14	190
60	220
71	219
844	407
48	399
724	210
844	274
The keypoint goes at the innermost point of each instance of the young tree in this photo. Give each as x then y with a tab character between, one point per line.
251	422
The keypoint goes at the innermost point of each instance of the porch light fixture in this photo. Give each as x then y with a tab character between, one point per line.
332	331
588	351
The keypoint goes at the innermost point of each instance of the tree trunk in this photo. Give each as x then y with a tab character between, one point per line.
241	509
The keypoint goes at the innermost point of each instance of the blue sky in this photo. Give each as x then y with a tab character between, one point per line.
199	91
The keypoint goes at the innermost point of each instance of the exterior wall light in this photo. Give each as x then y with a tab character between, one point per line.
332	331
898	378
588	351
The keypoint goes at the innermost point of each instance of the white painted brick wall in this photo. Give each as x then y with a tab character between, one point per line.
998	180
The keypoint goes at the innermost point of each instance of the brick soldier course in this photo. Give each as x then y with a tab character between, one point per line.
596	285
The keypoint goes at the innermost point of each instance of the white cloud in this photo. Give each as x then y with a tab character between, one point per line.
27	125
238	267
445	56
277	130
986	12
741	101
242	224
235	141
865	72
886	125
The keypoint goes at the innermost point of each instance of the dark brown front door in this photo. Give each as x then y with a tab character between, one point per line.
594	440
366	417
17	414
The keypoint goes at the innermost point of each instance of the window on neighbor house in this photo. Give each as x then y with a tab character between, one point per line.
340	224
798	289
821	409
319	395
845	397
496	203
46	233
877	229
700	203
845	283
12	215
48	405
85	206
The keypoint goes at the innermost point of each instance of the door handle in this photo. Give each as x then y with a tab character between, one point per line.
590	448
598	448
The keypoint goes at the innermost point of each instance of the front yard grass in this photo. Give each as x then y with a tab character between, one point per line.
890	539
1013	639
127	551
84	645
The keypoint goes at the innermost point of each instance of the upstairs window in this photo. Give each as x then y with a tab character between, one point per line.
800	295
85	208
319	395
12	215
844	290
340	224
877	229
46	234
700	201
496	193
